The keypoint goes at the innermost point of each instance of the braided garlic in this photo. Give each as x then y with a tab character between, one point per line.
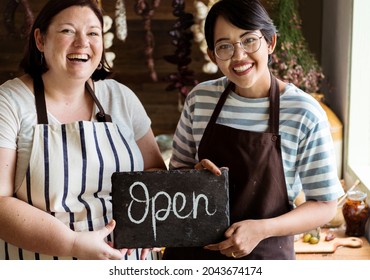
198	30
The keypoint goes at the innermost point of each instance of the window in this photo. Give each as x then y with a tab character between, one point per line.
358	159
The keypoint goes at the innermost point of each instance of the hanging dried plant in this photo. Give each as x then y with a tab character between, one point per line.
108	37
292	60
198	30
182	38
146	11
108	40
120	20
9	14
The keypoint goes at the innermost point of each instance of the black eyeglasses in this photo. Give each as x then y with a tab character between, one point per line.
250	43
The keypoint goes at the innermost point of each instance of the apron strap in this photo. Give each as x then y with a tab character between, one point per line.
101	116
38	87
274	106
42	117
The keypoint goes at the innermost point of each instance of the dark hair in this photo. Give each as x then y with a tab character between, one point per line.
32	62
244	14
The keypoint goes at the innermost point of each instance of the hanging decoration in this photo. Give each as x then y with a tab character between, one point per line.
146	10
198	30
108	36
182	40
120	20
292	61
9	15
108	40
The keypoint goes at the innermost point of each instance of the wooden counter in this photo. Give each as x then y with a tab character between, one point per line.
341	253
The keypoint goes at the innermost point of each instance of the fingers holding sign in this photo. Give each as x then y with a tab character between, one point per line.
209	165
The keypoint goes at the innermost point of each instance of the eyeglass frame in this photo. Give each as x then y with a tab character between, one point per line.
240	44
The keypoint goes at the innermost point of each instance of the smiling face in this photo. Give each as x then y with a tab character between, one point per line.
73	43
248	71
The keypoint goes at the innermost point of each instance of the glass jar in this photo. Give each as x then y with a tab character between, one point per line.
355	213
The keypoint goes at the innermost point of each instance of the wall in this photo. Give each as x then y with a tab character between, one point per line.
319	17
336	47
311	13
130	63
336	50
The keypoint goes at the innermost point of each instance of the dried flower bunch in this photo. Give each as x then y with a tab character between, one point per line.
10	15
182	37
146	10
292	60
198	29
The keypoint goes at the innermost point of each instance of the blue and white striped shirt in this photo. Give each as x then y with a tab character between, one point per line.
306	143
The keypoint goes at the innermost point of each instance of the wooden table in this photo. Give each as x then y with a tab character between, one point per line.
341	253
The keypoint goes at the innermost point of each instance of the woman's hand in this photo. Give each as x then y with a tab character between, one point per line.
145	251
209	165
91	245
241	238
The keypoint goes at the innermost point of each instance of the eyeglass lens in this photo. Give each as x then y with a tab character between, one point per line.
250	44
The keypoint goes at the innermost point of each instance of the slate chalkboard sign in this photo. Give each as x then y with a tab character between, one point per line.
173	208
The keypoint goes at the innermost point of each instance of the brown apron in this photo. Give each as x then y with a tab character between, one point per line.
257	182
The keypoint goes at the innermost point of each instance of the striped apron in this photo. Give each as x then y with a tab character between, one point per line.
69	176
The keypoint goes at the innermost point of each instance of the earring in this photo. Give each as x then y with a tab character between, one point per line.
41	58
100	66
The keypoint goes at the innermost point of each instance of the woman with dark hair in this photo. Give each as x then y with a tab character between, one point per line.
33	62
274	139
64	129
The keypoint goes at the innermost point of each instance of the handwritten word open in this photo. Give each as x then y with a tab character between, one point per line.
176	204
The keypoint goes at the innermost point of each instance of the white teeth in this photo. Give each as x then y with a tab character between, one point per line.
78	56
243	68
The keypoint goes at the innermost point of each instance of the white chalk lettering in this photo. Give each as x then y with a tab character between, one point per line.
155	214
196	203
175	205
146	193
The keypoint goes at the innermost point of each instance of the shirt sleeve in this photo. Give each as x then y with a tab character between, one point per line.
140	120
8	125
184	146
317	166
127	110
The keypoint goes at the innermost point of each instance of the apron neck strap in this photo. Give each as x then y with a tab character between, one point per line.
42	117
101	116
38	87
274	106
